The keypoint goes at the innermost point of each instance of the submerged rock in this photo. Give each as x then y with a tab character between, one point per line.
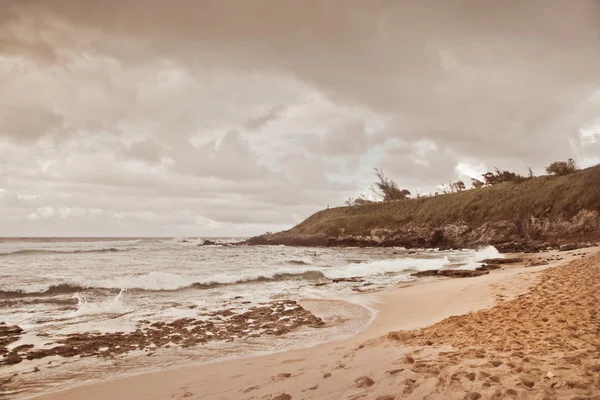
451	273
513	260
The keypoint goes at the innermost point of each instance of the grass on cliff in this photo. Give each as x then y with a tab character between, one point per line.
552	196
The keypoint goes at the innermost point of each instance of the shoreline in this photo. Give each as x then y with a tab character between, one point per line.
290	371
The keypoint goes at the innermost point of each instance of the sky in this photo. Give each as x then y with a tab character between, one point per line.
233	118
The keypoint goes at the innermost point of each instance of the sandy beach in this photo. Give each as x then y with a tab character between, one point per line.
520	332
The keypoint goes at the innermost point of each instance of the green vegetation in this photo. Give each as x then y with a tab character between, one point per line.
554	196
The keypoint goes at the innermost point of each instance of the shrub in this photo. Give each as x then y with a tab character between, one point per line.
560	168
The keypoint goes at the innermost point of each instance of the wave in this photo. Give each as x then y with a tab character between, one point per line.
165	281
487	252
304	261
161	281
42	251
383	267
54	290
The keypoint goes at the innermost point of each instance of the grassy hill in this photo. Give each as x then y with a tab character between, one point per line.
545	196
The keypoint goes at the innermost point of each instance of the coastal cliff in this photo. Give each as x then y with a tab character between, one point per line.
541	212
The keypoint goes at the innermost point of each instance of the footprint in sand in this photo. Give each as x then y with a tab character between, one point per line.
281	377
283	396
364	382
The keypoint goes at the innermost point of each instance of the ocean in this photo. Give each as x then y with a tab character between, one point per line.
56	288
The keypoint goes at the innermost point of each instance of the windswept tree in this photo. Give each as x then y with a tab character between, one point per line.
458	186
493	178
387	189
560	168
476	183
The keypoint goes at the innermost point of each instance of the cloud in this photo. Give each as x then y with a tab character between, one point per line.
190	116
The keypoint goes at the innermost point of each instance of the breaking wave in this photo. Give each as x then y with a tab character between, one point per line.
54	290
41	251
382	267
303	271
161	281
487	252
112	305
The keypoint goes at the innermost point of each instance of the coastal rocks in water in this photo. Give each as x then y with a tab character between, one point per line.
502	260
208	243
429	272
488	267
8	335
461	273
275	318
451	273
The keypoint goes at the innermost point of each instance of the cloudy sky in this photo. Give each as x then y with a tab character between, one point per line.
204	118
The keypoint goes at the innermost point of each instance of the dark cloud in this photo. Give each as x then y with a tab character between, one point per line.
284	106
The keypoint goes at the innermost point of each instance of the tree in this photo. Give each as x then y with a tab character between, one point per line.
560	168
493	178
387	189
476	183
458	186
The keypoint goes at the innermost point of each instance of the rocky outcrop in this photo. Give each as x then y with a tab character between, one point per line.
531	234
275	318
452	273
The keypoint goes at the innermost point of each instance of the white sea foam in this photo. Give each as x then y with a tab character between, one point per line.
112	305
150	281
487	252
381	267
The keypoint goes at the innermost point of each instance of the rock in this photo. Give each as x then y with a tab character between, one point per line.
23	347
461	273
549	375
208	243
429	272
513	260
283	396
364	382
275	318
571	246
452	273
11	359
488	267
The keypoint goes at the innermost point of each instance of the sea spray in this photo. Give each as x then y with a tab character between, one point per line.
112	305
487	252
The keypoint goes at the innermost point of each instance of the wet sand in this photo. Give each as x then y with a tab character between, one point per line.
520	332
